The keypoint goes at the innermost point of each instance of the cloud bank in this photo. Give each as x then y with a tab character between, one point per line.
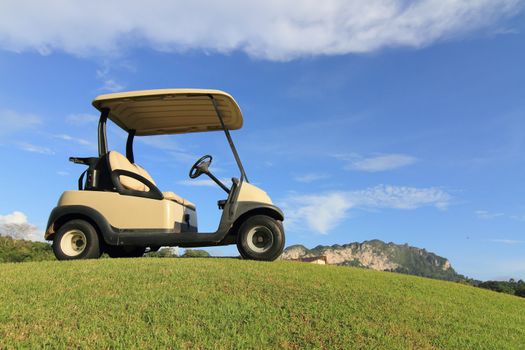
16	225
273	29
323	212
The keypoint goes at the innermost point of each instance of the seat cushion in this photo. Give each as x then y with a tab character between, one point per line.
118	162
144	173
176	198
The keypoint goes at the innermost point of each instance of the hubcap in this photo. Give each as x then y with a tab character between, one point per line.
73	242
260	239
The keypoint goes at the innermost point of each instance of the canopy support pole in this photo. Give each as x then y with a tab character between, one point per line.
230	141
102	139
129	146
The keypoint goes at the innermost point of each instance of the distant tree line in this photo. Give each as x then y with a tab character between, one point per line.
510	287
168	252
17	250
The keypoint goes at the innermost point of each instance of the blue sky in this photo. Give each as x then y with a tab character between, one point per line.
397	120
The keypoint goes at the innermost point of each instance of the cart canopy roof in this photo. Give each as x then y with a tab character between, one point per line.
170	111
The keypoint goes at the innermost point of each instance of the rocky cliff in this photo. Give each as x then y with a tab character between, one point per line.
378	255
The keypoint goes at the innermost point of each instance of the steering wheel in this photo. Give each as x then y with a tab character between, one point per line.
201	166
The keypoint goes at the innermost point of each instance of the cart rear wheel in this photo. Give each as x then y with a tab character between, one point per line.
261	238
76	239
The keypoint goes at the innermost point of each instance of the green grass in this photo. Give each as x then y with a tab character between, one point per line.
236	304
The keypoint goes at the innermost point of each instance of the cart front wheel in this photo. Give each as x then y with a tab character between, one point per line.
261	238
76	239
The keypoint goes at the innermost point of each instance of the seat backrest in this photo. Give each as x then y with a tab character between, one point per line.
119	161
144	173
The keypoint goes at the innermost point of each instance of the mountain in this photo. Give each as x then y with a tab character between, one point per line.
378	255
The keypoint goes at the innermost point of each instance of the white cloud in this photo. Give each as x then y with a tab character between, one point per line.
273	29
13	121
486	215
35	149
81	119
311	177
322	212
506	241
16	225
15	217
376	163
402	197
74	139
109	84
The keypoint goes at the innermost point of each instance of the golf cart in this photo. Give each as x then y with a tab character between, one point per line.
118	209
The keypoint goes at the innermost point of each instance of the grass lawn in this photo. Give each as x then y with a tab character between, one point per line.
236	304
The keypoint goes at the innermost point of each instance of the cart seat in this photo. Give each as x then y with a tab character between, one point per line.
176	198
118	161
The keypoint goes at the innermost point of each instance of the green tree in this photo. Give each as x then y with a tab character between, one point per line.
17	250
195	253
165	252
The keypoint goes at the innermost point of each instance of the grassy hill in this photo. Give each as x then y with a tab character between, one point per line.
236	304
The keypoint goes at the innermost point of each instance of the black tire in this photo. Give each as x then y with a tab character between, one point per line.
125	251
260	237
76	239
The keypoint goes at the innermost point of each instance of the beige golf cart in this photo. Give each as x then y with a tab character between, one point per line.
118	209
